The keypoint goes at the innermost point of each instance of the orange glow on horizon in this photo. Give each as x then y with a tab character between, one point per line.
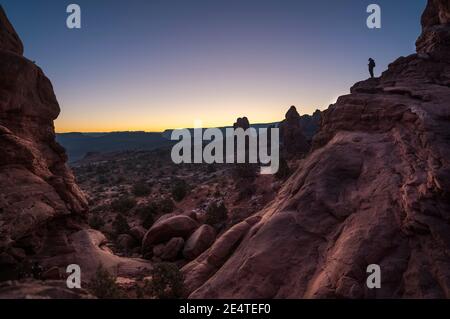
71	127
150	119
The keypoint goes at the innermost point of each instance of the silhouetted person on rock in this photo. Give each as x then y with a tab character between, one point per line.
371	67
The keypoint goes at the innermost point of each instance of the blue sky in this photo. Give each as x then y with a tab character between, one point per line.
150	65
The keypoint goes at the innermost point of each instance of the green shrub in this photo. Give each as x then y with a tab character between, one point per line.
216	213
104	286
210	169
245	171
96	222
179	190
120	225
246	192
283	170
147	214
166	282
123	204
101	169
165	206
141	189
148	221
120	180
102	180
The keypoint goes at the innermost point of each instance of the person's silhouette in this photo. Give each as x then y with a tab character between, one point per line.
371	67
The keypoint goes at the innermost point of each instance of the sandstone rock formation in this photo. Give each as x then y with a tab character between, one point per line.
166	229
47	290
374	190
310	124
9	39
138	233
42	210
242	122
291	134
199	241
172	249
36	186
435	38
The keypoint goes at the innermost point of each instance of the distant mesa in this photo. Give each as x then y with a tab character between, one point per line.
78	145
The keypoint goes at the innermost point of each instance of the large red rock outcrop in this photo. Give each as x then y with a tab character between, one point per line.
9	40
36	186
374	190
42	210
435	38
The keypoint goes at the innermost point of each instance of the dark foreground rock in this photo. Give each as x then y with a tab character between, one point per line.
42	209
374	190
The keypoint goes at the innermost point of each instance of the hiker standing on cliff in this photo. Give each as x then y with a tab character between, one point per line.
371	67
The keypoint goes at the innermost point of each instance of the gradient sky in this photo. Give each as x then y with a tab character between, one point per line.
151	65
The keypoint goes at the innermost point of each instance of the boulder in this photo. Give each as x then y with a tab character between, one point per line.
158	250
172	249
138	233
166	229
199	241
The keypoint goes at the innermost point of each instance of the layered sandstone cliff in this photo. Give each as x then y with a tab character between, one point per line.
374	190
36	186
42	210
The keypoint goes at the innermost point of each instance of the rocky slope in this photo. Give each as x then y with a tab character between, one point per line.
374	190
42	210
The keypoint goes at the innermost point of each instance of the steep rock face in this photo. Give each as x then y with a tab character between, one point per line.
374	190
435	38
291	134
9	40
42	210
36	187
